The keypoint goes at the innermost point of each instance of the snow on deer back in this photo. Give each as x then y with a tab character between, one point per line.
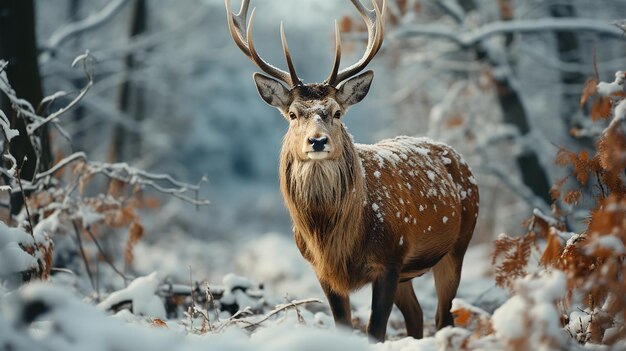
420	195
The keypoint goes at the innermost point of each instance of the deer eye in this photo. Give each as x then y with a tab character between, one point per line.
292	115
337	114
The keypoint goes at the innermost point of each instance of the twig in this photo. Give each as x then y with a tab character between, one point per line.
19	182
104	255
192	307
130	175
64	162
86	60
211	302
82	253
279	308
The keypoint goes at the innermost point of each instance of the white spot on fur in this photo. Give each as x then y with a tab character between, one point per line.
377	174
401	240
431	175
421	151
445	219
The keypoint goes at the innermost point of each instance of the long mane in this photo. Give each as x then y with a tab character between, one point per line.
325	200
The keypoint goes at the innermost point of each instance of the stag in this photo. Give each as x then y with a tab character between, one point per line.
380	214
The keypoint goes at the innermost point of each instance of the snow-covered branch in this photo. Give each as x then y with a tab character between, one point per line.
151	39
464	38
92	21
85	60
64	162
163	183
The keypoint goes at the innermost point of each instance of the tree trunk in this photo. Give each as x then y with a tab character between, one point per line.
18	45
534	176
131	101
568	51
78	112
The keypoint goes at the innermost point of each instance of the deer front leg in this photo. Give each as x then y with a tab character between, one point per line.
339	305
383	293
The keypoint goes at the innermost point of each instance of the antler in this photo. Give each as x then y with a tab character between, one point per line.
242	35
375	33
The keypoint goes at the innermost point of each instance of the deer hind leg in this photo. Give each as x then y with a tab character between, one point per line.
447	274
409	306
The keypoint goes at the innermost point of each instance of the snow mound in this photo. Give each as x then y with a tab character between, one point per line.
141	292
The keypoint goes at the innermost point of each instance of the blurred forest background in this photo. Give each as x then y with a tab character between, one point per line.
169	93
172	94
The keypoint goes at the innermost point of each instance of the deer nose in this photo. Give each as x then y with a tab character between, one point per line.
318	143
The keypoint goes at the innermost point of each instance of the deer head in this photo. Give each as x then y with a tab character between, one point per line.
312	110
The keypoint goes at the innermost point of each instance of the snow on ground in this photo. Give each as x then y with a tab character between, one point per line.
66	320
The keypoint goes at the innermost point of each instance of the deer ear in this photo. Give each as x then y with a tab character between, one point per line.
354	89
272	91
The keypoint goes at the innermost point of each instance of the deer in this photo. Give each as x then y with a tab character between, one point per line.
379	214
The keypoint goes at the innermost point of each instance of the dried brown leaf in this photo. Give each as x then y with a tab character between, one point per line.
601	108
590	89
135	233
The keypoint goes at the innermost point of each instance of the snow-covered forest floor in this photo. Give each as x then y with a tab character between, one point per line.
152	217
287	312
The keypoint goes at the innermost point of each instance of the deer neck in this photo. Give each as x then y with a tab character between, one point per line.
325	198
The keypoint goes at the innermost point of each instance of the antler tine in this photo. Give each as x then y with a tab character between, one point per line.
237	25
292	70
242	35
375	34
262	64
333	74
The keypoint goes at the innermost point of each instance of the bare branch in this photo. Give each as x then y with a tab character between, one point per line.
79	243
106	257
